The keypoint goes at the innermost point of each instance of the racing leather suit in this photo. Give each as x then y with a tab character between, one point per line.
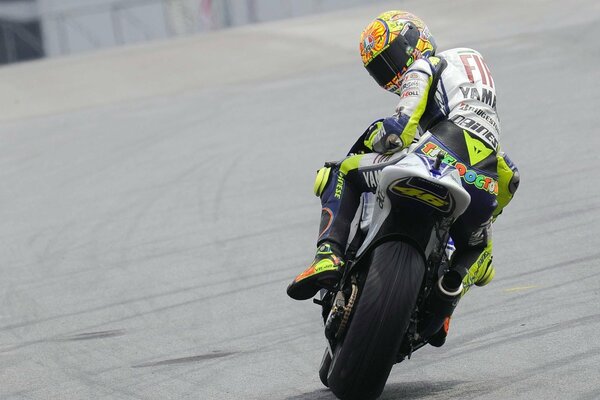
453	97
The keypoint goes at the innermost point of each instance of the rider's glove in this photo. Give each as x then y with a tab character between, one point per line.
385	135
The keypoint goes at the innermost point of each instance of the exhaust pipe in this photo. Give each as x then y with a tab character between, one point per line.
442	301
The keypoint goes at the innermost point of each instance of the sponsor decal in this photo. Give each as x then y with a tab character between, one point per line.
473	63
409	93
478	111
470	176
423	191
475	127
380	198
487	96
478	151
405	28
315	269
410	84
372	178
483	258
339	186
421	195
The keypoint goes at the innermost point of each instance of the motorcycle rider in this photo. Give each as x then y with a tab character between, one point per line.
450	95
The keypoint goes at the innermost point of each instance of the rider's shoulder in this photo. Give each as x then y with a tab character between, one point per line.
421	65
458	52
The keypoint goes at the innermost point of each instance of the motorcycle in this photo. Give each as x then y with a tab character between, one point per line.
395	291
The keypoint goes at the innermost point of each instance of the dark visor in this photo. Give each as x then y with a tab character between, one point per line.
391	62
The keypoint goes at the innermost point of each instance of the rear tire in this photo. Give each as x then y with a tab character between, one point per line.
363	361
324	369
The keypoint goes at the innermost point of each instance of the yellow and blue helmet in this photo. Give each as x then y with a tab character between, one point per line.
391	43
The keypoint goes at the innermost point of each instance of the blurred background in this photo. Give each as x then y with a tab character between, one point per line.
32	29
156	176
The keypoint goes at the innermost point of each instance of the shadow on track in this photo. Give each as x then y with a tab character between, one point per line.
393	391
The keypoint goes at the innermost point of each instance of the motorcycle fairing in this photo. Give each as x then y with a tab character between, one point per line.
418	198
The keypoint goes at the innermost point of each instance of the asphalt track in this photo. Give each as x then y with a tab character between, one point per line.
155	201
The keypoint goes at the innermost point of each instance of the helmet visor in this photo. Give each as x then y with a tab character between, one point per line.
390	63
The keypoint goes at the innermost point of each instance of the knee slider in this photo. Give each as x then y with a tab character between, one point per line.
508	181
513	184
321	180
508	174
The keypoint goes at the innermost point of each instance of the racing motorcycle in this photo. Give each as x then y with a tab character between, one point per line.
396	291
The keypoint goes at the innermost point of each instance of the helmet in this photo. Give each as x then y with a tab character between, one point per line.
391	43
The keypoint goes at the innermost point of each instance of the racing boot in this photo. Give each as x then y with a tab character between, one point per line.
324	272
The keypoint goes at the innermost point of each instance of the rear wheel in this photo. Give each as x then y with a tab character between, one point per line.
363	361
324	369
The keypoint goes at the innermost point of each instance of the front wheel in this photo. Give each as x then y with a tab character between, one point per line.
362	362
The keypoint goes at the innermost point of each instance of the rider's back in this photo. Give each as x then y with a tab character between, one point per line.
468	94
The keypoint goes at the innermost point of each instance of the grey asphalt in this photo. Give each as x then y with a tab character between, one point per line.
149	225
